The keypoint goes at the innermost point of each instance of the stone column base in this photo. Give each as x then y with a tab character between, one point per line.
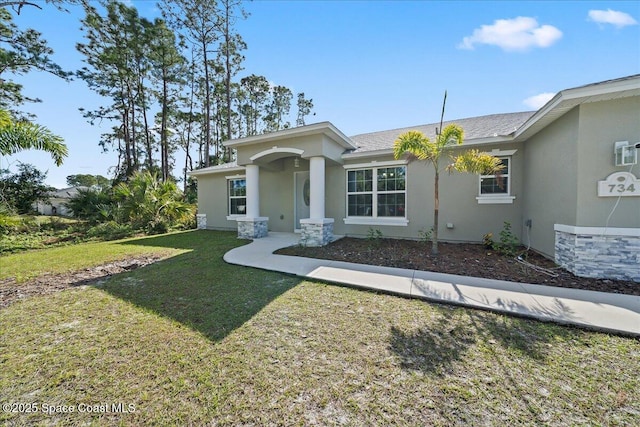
316	232
201	221
252	228
611	253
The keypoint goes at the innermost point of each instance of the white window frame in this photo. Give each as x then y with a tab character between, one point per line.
374	219
495	199
231	216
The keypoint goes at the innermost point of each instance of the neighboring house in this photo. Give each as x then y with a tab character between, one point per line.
569	189
56	202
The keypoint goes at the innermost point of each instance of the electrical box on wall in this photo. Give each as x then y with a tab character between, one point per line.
625	153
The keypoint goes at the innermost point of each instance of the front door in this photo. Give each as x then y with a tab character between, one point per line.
301	197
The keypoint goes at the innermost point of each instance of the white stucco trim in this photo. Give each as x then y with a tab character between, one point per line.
234	217
249	219
398	222
496	152
276	149
226	168
316	221
495	200
239	176
375	164
369	153
597	231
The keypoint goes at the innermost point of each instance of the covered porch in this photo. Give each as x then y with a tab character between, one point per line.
296	161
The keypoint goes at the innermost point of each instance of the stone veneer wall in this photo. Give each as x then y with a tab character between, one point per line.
201	221
252	228
587	254
316	233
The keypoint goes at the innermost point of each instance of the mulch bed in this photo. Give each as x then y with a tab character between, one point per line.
458	258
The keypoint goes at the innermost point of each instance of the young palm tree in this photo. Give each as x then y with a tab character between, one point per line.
148	202
19	136
420	146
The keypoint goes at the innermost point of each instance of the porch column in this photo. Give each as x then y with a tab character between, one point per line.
316	176
253	191
252	226
316	230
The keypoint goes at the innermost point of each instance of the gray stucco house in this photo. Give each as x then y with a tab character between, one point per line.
570	188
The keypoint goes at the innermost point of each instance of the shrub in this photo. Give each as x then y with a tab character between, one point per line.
8	221
374	234
487	241
110	230
426	235
509	243
91	205
150	204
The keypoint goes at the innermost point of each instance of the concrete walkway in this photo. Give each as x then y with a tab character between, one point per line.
616	313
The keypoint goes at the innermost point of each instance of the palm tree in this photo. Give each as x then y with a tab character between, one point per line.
148	202
22	135
420	146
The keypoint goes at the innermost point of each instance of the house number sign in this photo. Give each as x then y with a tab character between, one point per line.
619	184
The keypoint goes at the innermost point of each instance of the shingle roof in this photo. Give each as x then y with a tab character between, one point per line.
474	128
605	82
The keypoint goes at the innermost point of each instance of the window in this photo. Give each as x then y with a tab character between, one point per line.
360	192
237	196
496	188
377	192
496	184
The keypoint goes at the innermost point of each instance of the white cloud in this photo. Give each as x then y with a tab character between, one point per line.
515	34
537	101
613	17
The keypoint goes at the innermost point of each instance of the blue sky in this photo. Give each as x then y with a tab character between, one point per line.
372	65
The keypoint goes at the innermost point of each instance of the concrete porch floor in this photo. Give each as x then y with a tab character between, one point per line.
602	311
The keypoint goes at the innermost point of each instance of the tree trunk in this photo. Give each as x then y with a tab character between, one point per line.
207	107
147	137
164	145
127	144
434	236
227	81
132	128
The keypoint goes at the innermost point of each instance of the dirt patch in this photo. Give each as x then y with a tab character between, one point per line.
11	291
459	258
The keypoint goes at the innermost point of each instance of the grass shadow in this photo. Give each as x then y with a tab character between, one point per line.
450	343
443	341
197	288
431	348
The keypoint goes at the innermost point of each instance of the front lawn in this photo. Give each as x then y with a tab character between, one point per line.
191	340
27	265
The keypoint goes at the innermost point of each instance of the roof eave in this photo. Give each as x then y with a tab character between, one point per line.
567	99
214	170
325	128
469	142
371	153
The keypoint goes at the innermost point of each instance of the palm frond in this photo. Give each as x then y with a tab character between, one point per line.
473	161
15	137
450	135
415	143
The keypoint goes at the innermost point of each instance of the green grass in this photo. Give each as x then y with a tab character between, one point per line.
24	232
26	265
193	341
